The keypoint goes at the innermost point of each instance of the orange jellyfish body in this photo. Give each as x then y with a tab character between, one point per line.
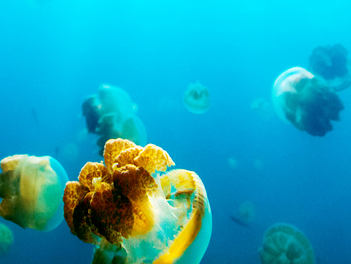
135	214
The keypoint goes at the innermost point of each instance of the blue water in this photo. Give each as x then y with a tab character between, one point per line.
55	53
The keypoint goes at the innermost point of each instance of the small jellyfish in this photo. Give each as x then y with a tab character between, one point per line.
136	212
6	239
300	99
247	211
330	64
285	244
197	98
112	114
262	108
233	163
32	189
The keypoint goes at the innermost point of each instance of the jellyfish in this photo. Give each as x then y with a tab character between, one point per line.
331	65
262	108
247	211
300	99
135	210
112	114
32	189
197	98
6	239
285	244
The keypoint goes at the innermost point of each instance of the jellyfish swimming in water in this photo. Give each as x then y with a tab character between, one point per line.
331	65
285	244
6	239
112	114
197	98
300	99
31	189
135	211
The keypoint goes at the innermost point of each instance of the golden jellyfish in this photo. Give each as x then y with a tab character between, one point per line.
197	98
301	100
112	114
6	239
32	189
135	211
286	244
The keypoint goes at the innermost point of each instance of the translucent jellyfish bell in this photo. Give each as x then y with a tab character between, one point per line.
197	98
285	244
32	189
6	239
115	101
135	212
330	64
301	100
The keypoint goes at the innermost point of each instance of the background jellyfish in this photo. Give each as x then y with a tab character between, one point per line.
262	108
197	98
284	243
330	63
300	99
247	211
6	239
112	114
133	211
32	189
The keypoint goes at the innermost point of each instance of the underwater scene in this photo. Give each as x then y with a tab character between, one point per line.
175	132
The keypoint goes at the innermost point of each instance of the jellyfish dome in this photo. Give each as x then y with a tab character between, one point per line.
32	189
330	64
112	114
301	100
6	239
197	98
286	244
135	211
247	211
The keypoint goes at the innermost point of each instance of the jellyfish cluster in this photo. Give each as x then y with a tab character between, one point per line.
286	244
197	98
136	212
112	114
31	189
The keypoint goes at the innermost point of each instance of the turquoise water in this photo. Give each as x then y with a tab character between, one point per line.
54	54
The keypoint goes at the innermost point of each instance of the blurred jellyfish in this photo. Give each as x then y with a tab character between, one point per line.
112	114
6	239
32	190
284	243
262	108
136	211
70	151
233	163
299	99
197	98
247	211
258	163
330	64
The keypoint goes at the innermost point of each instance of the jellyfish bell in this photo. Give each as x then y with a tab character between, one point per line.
301	100
116	101
197	98
332	66
134	210
288	82
6	239
32	189
284	243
